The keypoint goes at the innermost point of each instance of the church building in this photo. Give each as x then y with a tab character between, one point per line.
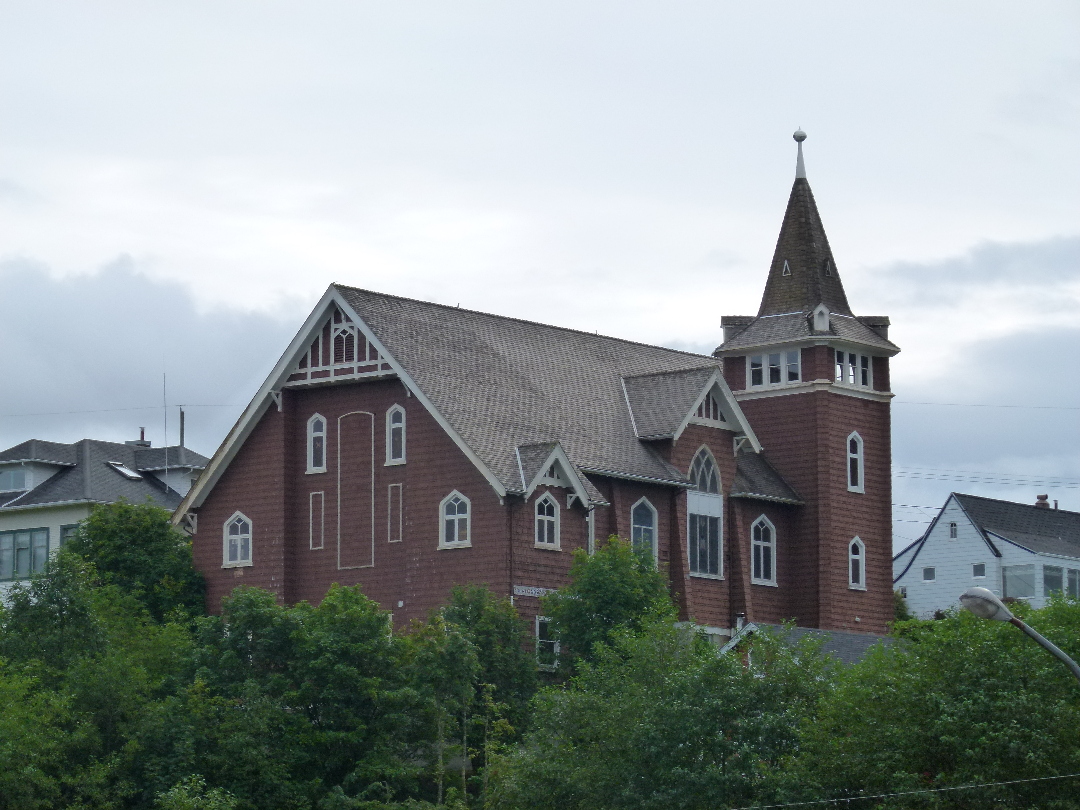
407	447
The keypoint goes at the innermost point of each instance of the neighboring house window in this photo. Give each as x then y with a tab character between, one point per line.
643	526
1073	584
1053	580
978	570
763	552
710	409
1018	581
952	531
454	523
854	369
237	540
903	591
23	553
929	574
395	435
705	511
777	368
547	647
547	522
67	532
316	444
12	480
855	481
856	555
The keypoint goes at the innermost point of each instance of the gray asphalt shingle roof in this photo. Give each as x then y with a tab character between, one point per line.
756	478
1045	531
660	401
88	475
771	329
503	383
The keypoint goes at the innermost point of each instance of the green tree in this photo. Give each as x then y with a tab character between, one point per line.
135	547
956	701
659	720
901	613
615	588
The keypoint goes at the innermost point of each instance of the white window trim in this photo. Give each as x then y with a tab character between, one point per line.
467	543
953	530
536	650
784	381
225	542
391	462
707	504
928	581
311	468
655	526
764	521
557	545
400	506
861	456
857	586
976	576
845	364
721	421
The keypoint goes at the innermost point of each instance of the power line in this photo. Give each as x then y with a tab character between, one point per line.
849	799
990	405
106	410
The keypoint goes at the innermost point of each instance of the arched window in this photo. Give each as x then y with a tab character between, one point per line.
855	472
643	526
547	522
237	541
395	435
705	511
316	444
763	552
454	521
856	565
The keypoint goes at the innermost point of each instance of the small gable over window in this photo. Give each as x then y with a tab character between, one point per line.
821	318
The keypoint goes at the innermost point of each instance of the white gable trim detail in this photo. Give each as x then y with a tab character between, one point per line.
259	404
736	419
558	456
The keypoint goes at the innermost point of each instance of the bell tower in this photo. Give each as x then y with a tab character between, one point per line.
813	379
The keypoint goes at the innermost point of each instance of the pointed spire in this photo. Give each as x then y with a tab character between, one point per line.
803	273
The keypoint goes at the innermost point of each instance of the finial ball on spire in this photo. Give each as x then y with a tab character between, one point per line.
799	136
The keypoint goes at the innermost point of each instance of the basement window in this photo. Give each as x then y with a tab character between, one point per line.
124	470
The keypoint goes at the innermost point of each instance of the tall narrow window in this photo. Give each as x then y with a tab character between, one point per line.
775	369
395	435
454	525
316	444
643	526
864	370
857	565
316	519
952	531
547	646
794	373
757	373
237	541
855	465
763	552
395	513
547	522
705	510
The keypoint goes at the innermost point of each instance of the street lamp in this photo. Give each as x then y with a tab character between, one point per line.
984	604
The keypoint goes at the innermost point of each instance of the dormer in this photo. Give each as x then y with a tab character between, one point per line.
819	322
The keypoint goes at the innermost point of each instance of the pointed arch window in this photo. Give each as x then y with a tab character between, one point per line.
643	526
395	435
855	466
454	520
763	552
857	565
316	444
705	512
547	522
236	539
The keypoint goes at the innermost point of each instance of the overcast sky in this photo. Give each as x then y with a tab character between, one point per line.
180	181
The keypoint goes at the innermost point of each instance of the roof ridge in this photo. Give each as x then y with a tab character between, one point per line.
1042	509
526	321
715	365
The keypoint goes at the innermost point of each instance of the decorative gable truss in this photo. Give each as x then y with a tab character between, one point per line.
547	464
339	350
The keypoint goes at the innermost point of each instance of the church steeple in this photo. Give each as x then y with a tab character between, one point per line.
803	272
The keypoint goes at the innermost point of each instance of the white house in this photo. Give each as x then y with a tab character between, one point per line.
1014	549
46	488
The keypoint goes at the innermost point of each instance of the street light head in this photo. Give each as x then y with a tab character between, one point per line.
984	604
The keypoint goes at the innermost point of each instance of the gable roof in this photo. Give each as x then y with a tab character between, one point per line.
1041	530
89	473
498	384
756	478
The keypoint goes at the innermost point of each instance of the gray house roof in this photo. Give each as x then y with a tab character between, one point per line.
659	402
773	329
1038	529
756	478
90	473
503	383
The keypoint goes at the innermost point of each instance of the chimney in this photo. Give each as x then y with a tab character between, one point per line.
141	441
1055	503
181	427
1042	501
